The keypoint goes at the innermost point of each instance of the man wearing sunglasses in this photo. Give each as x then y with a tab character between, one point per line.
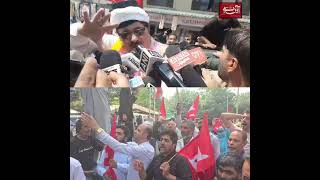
131	25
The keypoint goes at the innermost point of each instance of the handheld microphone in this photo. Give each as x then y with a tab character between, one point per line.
172	50
131	61
110	61
167	75
148	58
191	78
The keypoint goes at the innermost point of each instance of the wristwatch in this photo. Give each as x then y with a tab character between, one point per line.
99	130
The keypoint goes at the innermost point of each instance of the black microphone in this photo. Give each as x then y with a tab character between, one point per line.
147	58
172	50
167	74
110	60
191	77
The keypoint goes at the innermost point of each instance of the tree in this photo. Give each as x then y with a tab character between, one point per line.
113	96
244	102
75	100
143	98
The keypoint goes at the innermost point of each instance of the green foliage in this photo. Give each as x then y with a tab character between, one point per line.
213	101
145	98
244	102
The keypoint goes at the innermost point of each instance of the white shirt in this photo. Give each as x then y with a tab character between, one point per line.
122	165
143	152
76	171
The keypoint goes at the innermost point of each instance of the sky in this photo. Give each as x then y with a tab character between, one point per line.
169	92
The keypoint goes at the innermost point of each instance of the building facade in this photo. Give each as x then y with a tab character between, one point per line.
183	16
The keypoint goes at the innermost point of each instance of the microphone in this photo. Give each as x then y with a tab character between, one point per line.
167	75
131	61
172	50
110	60
147	58
191	78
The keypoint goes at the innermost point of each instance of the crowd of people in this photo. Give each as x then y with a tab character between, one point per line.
124	28
151	152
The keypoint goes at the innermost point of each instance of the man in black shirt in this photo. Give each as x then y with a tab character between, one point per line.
83	147
168	164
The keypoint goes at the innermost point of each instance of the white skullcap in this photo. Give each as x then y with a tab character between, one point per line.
128	13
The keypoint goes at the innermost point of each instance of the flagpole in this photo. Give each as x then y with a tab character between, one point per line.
227	103
149	101
154	105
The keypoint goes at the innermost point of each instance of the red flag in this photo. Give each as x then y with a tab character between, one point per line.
110	172
163	109
140	3
217	124
158	92
229	109
199	152
192	113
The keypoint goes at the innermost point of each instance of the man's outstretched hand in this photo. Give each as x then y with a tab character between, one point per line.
96	28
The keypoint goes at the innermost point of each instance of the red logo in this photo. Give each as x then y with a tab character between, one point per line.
230	10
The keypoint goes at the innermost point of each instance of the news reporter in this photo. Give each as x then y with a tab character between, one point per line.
91	76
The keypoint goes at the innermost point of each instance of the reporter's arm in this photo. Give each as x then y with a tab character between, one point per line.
87	76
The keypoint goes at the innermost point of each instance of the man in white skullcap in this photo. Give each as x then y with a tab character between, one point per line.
132	28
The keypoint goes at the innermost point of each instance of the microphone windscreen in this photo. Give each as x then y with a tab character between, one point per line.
109	58
191	77
172	50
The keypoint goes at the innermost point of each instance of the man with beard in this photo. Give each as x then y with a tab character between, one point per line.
168	164
237	141
234	67
83	147
229	167
173	126
120	163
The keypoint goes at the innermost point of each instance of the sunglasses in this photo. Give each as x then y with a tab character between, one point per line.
137	32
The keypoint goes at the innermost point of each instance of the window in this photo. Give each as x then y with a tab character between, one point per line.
205	5
165	3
